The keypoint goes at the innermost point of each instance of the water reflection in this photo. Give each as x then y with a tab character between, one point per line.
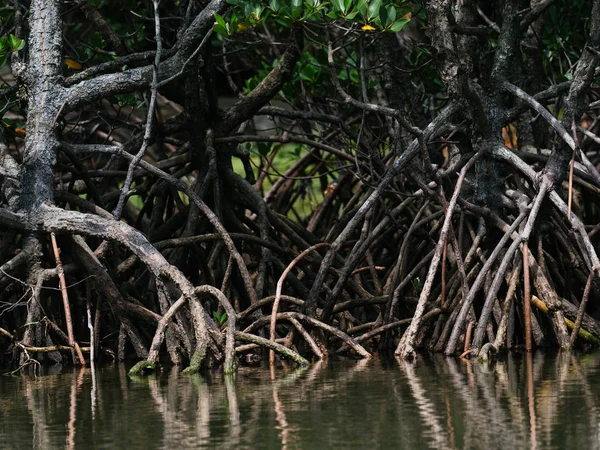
529	401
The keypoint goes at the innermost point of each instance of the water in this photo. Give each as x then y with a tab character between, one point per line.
536	402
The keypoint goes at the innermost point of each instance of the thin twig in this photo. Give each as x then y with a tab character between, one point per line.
584	300
63	289
149	118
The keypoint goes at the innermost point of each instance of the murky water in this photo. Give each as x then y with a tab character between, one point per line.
535	402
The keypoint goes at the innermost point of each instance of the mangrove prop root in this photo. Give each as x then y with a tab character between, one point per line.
278	295
369	182
582	333
278	348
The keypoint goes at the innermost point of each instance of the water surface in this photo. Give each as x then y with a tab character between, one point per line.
537	402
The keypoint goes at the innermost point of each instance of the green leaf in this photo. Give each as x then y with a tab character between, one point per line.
220	26
220	30
220	21
374	7
309	73
296	13
16	44
97	41
361	8
397	26
352	15
257	10
383	16
220	318
129	99
339	5
391	15
274	5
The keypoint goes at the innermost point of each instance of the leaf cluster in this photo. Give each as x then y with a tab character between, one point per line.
220	318
369	15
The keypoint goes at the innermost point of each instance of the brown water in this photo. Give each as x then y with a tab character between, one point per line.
541	402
